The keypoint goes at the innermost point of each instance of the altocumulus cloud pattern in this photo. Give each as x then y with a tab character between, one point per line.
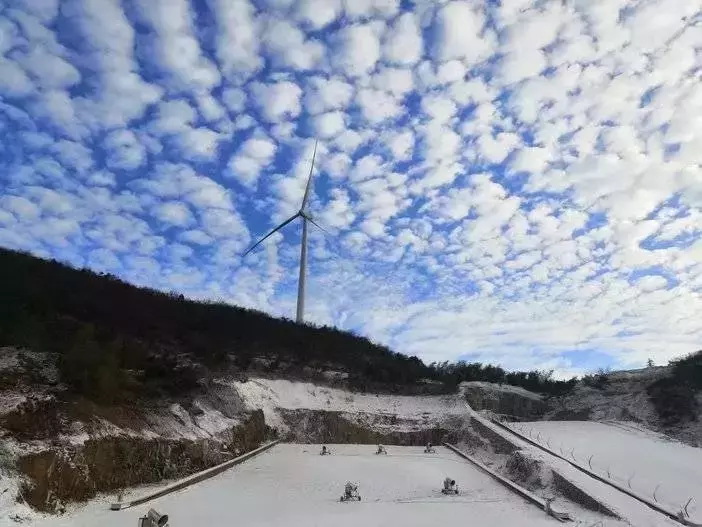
515	182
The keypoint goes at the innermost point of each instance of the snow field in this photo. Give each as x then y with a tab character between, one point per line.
646	460
293	485
270	395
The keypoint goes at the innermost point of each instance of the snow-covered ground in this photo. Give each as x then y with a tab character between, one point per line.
269	395
292	485
632	455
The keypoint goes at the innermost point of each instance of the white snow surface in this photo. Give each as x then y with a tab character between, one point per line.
269	395
293	485
630	510
628	450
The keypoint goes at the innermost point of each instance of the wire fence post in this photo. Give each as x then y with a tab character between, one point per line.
687	514
589	462
654	492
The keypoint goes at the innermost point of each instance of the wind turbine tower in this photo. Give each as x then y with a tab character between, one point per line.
306	217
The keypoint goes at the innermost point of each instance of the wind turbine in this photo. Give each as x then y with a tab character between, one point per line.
302	213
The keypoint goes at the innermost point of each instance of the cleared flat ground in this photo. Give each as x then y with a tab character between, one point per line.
642	458
292	485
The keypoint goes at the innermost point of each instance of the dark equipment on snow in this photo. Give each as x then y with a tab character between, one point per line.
381	450
153	519
325	451
429	449
450	486
350	492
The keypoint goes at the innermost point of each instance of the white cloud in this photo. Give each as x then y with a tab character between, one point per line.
339	213
403	41
459	33
223	224
103	260
74	155
370	8
175	45
496	149
173	117
318	13
124	95
289	48
49	70
174	213
57	107
234	99
199	143
278	101
377	106
209	108
21	207
450	72
395	81
367	167
196	237
237	38
521	64
530	159
357	50
124	151
336	165
401	145
254	155
329	124
652	283
323	94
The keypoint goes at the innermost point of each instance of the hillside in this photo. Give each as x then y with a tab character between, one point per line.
667	399
115	341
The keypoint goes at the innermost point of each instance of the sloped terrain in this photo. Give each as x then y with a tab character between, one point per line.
628	396
634	457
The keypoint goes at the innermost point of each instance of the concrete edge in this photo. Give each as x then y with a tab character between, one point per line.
577	494
656	507
521	491
195	478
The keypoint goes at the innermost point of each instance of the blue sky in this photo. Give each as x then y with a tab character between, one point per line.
514	182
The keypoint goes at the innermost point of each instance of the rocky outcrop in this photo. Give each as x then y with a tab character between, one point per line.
58	475
321	426
504	400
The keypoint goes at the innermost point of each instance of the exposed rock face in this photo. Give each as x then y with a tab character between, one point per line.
65	474
623	397
320	426
505	400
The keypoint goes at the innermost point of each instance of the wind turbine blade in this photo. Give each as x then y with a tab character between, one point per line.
259	242
317	225
309	179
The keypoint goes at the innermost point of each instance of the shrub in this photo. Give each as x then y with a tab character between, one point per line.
675	397
598	380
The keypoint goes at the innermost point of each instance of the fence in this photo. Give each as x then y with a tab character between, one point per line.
667	498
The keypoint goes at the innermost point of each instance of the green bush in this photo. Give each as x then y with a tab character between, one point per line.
675	397
598	380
